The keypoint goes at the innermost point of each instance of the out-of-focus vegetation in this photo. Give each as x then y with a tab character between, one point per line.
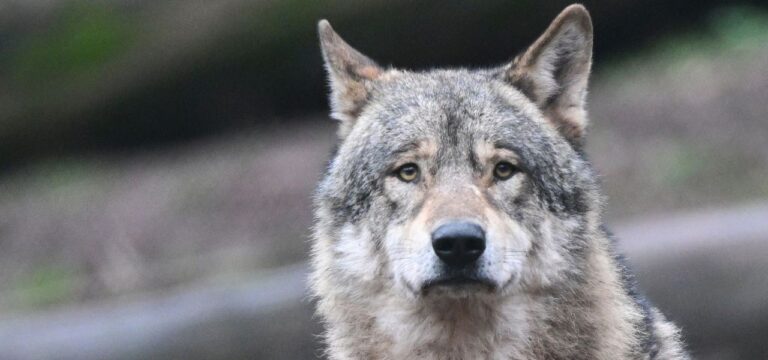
734	31
72	46
77	75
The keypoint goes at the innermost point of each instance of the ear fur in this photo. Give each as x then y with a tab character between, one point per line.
350	74
554	71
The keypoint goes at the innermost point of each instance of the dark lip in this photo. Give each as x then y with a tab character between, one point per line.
458	281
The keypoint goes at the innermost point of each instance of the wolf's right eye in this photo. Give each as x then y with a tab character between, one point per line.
504	170
408	172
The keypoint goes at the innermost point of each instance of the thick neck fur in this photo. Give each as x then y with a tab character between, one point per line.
593	318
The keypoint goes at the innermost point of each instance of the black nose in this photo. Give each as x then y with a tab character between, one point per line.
458	243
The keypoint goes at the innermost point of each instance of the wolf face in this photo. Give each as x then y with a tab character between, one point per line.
456	183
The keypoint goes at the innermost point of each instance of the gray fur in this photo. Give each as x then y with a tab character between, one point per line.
557	289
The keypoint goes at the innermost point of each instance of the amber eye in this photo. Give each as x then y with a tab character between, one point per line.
504	170
408	172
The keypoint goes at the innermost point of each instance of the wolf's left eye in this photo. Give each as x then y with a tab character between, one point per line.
504	170
408	172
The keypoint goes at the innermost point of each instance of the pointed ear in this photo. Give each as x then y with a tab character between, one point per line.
553	72
350	74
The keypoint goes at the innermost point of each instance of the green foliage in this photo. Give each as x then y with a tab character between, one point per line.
677	164
59	180
741	27
86	35
47	285
732	28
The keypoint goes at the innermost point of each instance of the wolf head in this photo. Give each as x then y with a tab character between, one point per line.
455	183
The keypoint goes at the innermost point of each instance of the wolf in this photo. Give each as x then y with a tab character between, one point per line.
460	219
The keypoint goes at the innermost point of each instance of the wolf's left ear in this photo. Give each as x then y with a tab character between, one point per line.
350	73
553	72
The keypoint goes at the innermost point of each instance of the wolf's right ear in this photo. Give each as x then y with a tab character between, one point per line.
350	74
554	71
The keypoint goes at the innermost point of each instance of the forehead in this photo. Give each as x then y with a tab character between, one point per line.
450	107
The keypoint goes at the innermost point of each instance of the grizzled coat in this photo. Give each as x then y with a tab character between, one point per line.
549	285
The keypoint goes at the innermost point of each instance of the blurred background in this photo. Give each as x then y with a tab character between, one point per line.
157	160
